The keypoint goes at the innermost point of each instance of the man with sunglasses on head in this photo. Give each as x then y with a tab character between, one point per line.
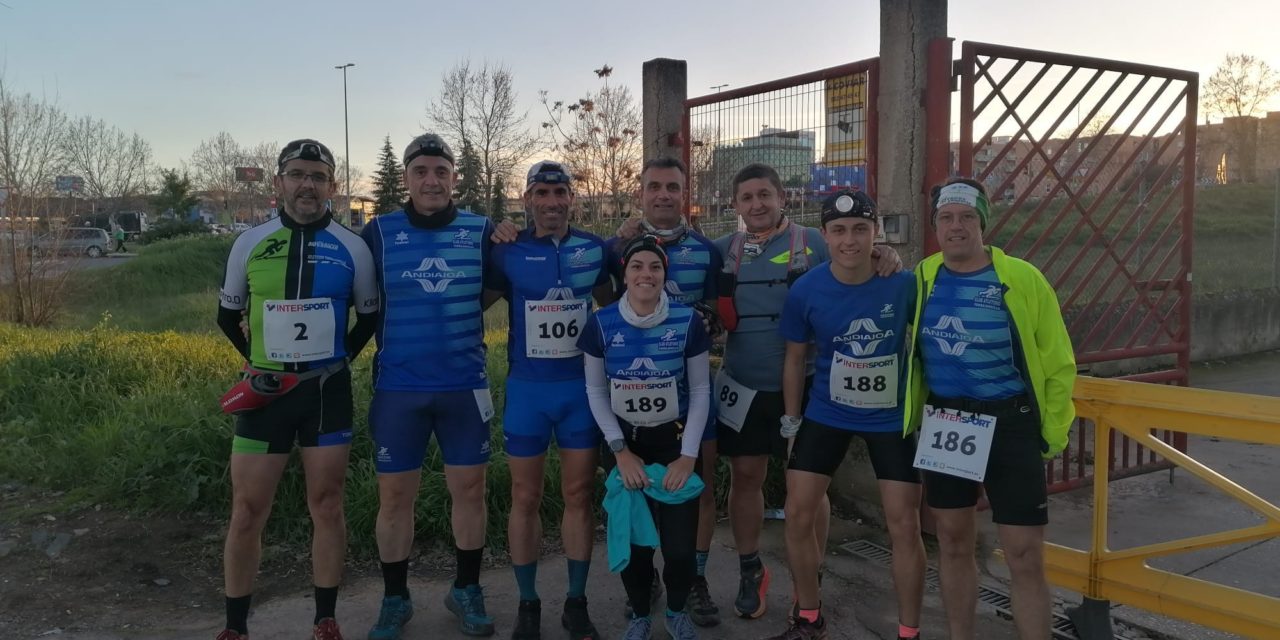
549	276
431	260
293	280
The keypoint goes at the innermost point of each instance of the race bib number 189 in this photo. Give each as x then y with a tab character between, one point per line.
956	443
645	403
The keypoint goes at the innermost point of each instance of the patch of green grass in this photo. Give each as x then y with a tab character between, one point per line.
171	285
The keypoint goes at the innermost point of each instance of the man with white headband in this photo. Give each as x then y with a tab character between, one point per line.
991	395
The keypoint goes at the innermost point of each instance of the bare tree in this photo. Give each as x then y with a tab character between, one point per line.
703	142
1240	86
213	166
599	135
32	134
479	106
112	163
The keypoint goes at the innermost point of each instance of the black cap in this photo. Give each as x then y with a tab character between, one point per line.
645	242
428	144
304	149
849	204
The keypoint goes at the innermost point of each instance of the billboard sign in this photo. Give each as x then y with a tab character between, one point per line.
846	101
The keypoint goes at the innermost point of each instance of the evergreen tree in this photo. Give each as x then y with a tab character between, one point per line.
175	194
469	194
498	211
388	181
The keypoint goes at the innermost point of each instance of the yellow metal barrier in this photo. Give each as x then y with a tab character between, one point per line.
1122	575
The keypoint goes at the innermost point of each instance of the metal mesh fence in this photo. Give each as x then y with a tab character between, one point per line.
812	129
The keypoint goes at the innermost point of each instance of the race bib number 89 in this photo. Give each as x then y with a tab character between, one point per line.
956	443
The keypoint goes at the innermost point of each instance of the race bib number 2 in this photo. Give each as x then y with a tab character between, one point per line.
298	330
956	443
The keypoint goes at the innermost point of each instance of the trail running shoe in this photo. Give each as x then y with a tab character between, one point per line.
752	588
680	627
528	621
327	629
701	609
395	612
468	605
576	620
638	629
802	629
231	634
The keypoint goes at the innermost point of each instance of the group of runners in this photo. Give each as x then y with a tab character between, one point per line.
958	376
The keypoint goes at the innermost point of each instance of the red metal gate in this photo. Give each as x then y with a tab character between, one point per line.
817	129
1091	167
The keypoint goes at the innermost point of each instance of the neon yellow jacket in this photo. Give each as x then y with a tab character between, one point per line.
1040	339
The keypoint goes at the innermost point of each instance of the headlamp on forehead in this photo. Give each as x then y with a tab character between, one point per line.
304	150
645	242
548	172
427	144
849	204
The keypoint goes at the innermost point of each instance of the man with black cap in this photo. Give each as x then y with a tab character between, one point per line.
549	276
856	322
293	279
429	378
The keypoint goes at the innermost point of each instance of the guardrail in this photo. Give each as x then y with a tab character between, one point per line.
1105	575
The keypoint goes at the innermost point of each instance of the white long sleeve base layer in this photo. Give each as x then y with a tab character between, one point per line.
699	371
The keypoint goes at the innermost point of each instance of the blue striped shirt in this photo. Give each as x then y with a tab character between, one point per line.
431	325
965	338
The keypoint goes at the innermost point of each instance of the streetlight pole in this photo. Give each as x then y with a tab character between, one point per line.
719	107
346	132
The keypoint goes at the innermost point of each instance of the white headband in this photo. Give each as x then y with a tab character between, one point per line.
959	193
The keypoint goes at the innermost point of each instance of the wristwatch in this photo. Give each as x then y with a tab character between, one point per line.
617	445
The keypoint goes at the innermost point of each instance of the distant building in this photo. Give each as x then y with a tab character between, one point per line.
791	153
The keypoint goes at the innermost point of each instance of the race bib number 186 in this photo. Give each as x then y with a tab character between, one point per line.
954	442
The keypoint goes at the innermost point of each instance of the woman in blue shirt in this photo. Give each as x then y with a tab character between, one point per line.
648	383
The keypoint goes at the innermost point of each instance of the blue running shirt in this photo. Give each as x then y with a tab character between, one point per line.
656	354
547	283
693	263
860	332
965	339
431	325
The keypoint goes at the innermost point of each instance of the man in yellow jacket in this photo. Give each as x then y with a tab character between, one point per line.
990	393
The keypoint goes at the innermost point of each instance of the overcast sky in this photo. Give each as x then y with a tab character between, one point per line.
178	72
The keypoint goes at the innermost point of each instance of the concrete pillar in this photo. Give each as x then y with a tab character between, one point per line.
906	27
665	87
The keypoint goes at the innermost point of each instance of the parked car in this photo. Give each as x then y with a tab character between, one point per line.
76	241
239	227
